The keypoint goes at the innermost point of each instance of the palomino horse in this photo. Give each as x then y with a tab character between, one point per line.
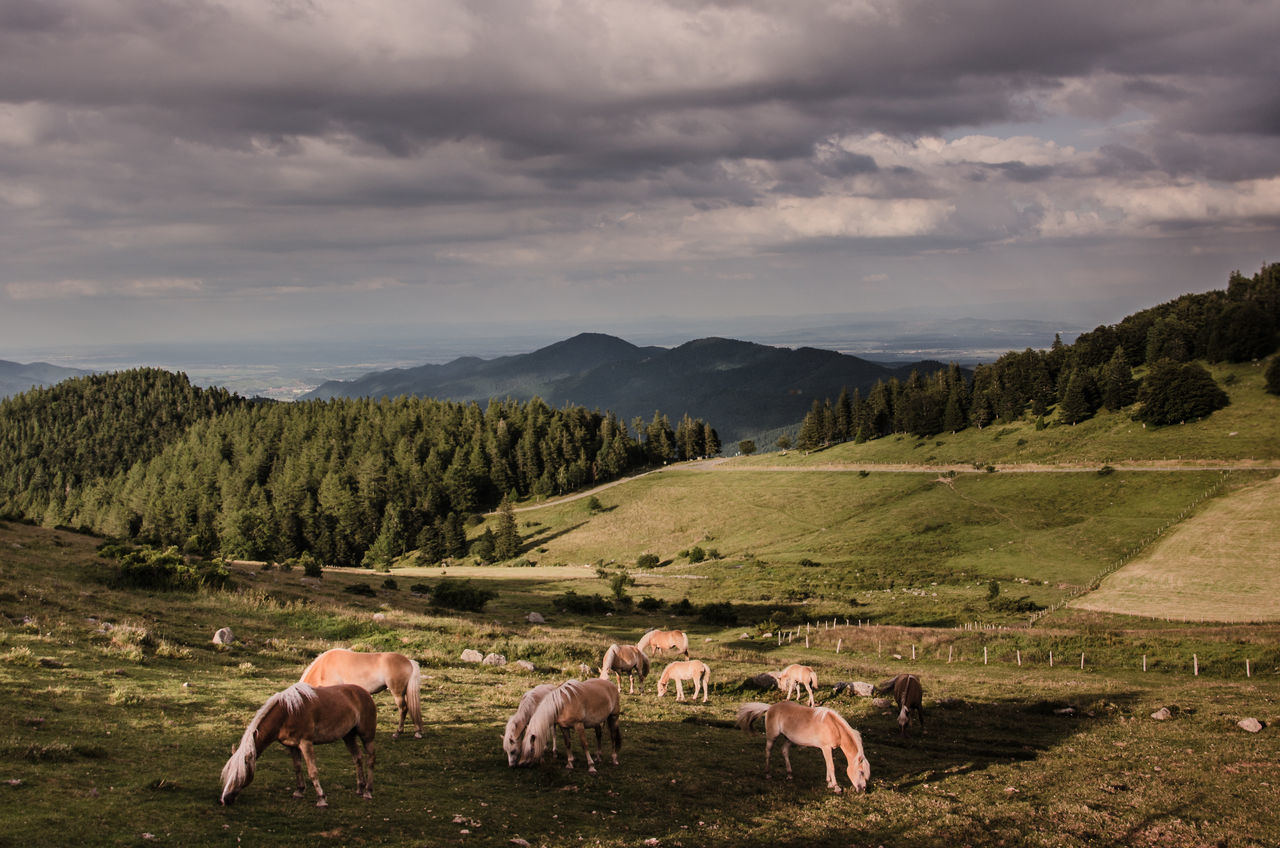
577	704
694	670
628	658
908	695
513	736
808	727
793	677
374	672
665	640
299	718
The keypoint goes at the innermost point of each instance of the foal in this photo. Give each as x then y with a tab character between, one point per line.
695	670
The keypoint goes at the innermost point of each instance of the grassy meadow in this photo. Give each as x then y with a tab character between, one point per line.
117	712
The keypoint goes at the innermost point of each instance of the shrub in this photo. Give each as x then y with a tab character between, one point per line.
1273	375
390	583
1178	391
572	602
420	589
809	563
460	595
647	561
721	613
593	504
148	568
651	604
363	589
697	554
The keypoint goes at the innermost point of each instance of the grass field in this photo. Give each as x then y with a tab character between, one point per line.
118	713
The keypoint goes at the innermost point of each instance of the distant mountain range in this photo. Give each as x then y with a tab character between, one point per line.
16	377
743	389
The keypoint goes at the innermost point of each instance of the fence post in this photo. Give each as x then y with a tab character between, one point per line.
838	643
913	652
1247	672
1144	662
984	654
949	649
1195	665
1019	658
1051	659
1082	662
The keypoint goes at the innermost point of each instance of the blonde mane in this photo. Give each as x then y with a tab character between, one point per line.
518	724
239	769
542	722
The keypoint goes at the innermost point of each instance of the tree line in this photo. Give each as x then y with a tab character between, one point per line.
144	455
1073	382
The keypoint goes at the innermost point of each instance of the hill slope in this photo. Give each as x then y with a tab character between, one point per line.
16	377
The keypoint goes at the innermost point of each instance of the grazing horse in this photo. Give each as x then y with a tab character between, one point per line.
513	736
694	670
628	658
658	641
374	672
793	677
808	727
574	705
299	718
908	695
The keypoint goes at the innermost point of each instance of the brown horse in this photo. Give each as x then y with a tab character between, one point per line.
300	718
908	695
513	736
577	704
694	670
628	658
791	678
374	672
658	641
808	727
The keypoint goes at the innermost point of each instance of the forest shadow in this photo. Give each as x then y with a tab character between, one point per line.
532	542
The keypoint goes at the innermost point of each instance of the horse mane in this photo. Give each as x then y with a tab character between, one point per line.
848	734
519	721
887	685
239	769
542	721
314	663
607	662
645	639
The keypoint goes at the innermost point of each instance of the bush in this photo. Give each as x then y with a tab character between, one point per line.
1273	375
310	565
572	602
647	561
420	589
460	595
809	563
651	604
148	568
390	583
363	589
697	554
721	613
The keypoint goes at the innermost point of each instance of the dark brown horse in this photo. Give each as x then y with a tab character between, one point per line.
299	718
908	695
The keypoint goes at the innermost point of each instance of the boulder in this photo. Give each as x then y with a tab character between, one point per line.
535	618
471	655
523	665
882	703
494	659
1162	714
863	689
765	680
224	636
1250	724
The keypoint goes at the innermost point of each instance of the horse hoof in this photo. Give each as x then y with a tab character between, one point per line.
368	796
322	803
417	736
297	793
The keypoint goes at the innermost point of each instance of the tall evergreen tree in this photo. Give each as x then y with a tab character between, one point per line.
1119	389
507	536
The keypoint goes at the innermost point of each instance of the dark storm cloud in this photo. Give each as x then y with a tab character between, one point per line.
213	145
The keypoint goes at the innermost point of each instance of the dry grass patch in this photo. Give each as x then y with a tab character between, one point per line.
1219	565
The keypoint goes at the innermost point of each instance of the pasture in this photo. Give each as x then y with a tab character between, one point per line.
117	714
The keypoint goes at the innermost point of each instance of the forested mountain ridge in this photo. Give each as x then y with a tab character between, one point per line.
1070	383
744	387
143	455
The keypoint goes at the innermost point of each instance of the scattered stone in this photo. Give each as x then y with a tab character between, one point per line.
224	636
863	689
1162	714
1250	724
535	618
494	659
882	703
765	680
471	655
745	636
1065	711
766	635
379	617
520	843
524	665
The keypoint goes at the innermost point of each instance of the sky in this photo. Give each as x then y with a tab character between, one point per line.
261	169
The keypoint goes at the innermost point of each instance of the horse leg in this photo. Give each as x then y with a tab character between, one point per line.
680	690
808	687
403	706
586	749
568	747
631	683
309	756
297	772
369	755
831	769
768	750
615	736
350	741
786	755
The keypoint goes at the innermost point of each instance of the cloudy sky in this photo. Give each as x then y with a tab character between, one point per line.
229	168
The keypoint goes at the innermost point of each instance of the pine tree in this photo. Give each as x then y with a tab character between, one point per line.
507	537
1119	389
1078	400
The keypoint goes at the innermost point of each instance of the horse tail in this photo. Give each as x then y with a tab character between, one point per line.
644	665
748	713
885	686
683	646
413	694
706	678
645	639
